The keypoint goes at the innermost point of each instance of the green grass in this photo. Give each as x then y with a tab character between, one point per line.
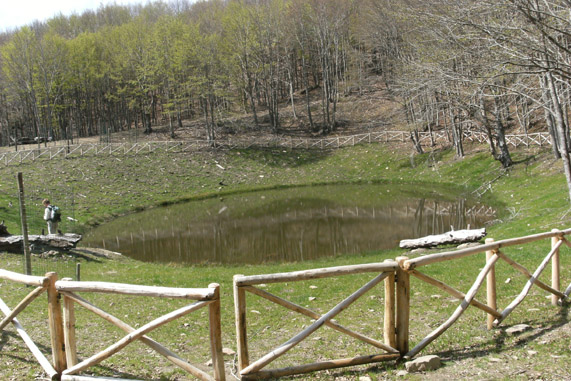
532	196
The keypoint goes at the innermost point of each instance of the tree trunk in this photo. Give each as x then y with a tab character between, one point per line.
560	126
487	127
504	156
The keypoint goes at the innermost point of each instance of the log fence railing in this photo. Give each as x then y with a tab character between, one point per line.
242	284
493	253
396	321
202	297
98	149
41	284
397	301
62	325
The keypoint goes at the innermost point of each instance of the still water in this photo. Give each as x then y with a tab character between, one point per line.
287	225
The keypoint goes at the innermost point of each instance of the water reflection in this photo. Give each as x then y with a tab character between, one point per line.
285	226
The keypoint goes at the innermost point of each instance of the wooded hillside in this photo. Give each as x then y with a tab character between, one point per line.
485	65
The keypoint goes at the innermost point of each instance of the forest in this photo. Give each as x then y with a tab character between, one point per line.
486	65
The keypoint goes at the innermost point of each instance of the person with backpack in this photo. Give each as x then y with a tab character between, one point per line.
52	215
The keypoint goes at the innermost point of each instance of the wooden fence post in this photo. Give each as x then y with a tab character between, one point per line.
389	321
56	324
216	335
69	329
23	219
402	306
555	266
491	286
240	315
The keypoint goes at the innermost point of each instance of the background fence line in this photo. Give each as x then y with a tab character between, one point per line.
97	149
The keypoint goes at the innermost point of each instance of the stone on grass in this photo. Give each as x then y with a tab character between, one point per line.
517	329
424	363
228	351
402	373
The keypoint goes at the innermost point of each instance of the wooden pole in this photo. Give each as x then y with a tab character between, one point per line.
491	286
216	335
389	320
555	267
446	256
69	329
240	316
328	272
30	280
402	306
138	290
331	364
56	324
23	219
90	378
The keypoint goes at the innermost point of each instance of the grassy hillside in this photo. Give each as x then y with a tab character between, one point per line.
532	195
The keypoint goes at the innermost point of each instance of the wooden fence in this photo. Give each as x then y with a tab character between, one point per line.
397	302
493	254
62	326
122	149
396	322
385	271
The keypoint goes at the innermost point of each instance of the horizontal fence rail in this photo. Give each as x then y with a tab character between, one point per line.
118	149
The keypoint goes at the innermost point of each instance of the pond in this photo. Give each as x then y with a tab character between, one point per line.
288	225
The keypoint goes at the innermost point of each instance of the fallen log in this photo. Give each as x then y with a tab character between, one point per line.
451	237
14	243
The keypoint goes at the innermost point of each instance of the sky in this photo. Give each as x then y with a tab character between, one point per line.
17	13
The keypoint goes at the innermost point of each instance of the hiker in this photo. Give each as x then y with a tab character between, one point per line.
52	216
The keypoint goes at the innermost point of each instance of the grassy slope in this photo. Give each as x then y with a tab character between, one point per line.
533	193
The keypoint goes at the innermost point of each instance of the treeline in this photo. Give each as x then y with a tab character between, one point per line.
124	66
485	65
490	65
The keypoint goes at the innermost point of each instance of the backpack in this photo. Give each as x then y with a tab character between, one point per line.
56	213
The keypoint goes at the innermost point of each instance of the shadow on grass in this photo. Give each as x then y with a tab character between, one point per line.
11	336
477	351
499	344
17	341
